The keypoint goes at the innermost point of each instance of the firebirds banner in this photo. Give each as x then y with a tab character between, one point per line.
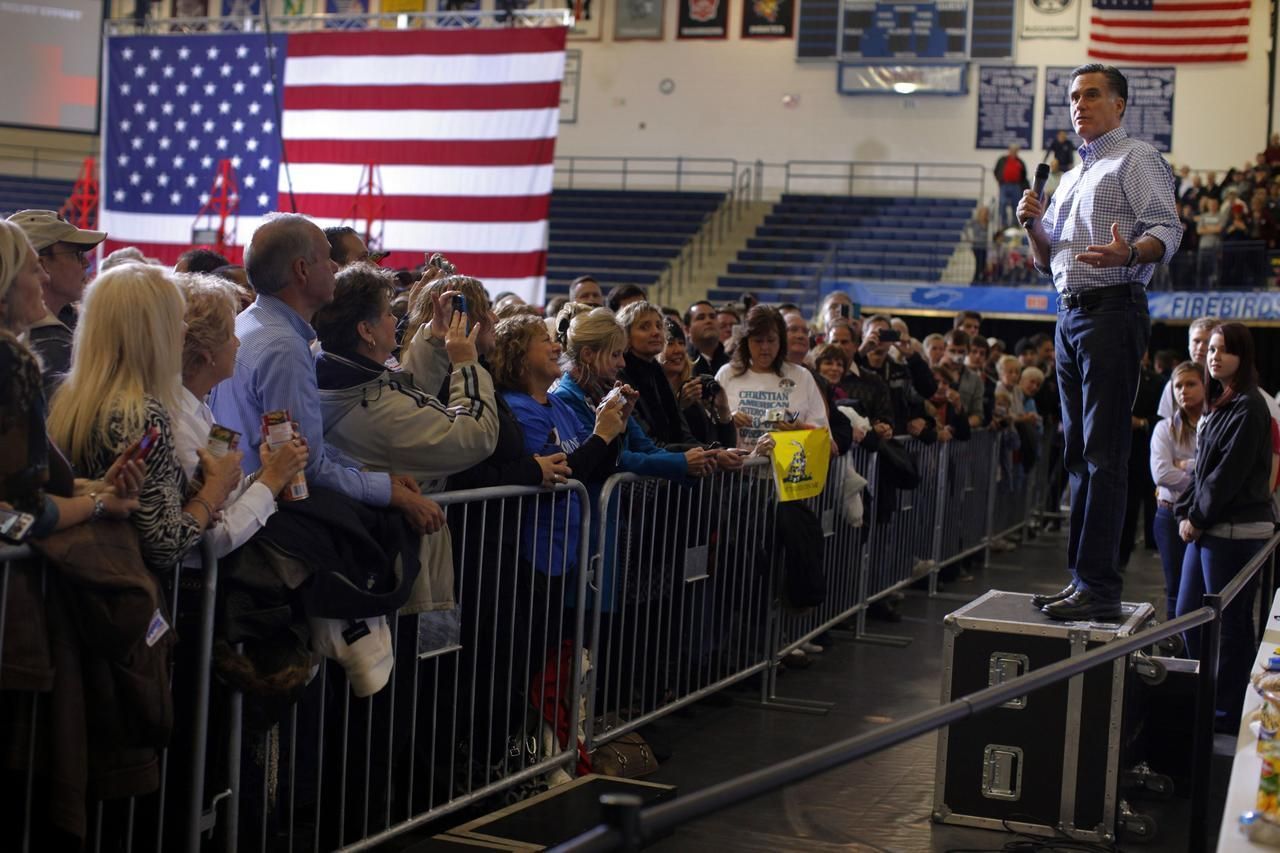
768	18
703	19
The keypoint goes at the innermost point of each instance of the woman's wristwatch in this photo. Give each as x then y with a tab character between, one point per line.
99	508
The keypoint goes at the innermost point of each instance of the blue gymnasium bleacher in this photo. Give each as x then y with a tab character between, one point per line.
881	238
620	236
19	193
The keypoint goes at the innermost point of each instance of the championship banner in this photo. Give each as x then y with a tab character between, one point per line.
1050	19
703	19
1006	96
768	19
800	461
640	20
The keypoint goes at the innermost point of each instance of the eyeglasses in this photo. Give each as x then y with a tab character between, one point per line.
80	254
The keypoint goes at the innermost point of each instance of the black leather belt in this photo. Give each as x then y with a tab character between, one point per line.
1093	296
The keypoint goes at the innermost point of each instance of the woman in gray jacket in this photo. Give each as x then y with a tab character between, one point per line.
387	418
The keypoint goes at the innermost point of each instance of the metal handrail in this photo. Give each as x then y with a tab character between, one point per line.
629	825
625	168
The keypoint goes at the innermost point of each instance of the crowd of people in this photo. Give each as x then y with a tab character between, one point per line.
1231	222
303	407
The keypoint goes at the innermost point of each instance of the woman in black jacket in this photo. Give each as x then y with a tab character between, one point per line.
657	410
1227	515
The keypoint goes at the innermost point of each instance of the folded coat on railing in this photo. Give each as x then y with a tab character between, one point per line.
110	708
363	560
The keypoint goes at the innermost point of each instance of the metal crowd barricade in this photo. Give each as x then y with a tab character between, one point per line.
682	597
1014	489
966	490
169	818
904	523
844	553
483	702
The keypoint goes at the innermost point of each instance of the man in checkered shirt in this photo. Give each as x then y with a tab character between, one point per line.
1111	220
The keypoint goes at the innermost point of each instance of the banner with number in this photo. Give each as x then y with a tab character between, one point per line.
800	461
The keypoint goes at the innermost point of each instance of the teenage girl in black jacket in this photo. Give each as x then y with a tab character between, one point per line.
1226	516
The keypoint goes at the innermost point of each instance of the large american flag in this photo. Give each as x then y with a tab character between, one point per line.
460	123
1170	32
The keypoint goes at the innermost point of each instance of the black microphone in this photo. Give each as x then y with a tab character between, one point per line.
1042	176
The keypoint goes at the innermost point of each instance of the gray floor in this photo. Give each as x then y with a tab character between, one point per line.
883	802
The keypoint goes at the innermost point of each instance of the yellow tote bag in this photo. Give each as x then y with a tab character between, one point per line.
800	460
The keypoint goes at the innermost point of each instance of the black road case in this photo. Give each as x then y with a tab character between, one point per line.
1039	763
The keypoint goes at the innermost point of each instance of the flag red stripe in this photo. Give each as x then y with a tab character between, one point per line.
431	208
509	96
1234	5
437	42
167	252
1170	58
1169	25
406	152
477	264
1171	41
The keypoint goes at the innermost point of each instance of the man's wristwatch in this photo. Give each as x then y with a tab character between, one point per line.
1133	255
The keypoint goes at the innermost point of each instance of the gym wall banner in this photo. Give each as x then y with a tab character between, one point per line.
641	19
773	19
703	19
1050	19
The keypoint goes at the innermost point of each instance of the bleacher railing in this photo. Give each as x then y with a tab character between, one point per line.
700	174
683	599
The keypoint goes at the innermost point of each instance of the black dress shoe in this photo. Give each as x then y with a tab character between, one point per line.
1083	606
1039	601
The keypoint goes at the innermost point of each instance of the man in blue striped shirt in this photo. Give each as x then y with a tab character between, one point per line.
1111	220
289	265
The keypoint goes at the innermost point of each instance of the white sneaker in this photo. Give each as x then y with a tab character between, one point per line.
811	648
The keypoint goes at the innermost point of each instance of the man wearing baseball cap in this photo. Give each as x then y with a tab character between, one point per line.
64	253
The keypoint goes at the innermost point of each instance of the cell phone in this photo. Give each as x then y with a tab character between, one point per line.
14	525
147	444
614	393
890	336
846	311
460	307
857	311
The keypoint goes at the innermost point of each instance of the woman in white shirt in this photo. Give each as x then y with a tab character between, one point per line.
209	357
1173	459
762	385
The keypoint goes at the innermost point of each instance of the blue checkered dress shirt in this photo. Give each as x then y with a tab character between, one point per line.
1119	180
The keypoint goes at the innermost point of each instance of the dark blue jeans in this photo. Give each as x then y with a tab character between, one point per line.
1172	550
1010	195
1099	349
1210	564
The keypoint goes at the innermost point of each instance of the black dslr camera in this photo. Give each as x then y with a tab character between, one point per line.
710	387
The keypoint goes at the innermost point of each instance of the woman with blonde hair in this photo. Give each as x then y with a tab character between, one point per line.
593	356
125	379
1173	463
34	477
658	411
209	357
